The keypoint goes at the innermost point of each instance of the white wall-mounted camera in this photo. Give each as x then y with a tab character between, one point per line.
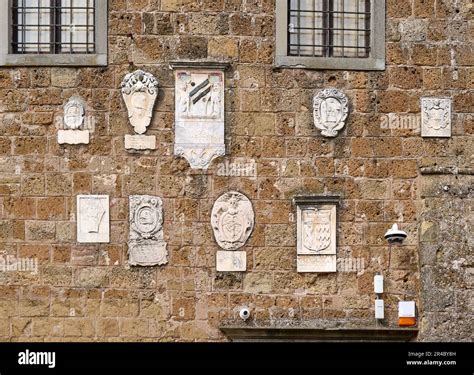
244	313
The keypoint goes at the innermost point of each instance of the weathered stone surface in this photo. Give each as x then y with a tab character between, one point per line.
383	169
146	246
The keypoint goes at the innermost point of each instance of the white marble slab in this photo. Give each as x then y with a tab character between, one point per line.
231	261
93	219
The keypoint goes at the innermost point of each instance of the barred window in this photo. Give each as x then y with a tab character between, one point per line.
328	28
53	26
331	34
53	32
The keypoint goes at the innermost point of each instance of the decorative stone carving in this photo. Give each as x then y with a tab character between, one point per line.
139	92
93	222
73	122
316	234
146	246
232	220
435	117
331	108
199	113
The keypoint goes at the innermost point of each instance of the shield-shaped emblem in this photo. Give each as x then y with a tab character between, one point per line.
330	110
316	229
437	115
232	220
233	224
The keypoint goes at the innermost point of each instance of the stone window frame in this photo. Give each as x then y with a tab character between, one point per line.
376	61
100	58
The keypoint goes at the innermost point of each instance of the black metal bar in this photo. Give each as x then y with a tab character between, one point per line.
23	31
367	26
330	41
14	44
299	20
342	24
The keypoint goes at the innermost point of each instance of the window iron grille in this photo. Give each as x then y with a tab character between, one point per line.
53	27
329	28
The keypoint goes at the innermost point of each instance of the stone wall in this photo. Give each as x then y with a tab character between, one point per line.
88	292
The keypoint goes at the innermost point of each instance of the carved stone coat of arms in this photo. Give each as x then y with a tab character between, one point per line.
199	115
139	91
232	220
435	117
330	111
146	245
316	233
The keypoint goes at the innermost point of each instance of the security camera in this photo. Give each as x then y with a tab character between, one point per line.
244	313
395	235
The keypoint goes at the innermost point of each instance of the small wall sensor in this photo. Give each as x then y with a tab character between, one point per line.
379	312
378	284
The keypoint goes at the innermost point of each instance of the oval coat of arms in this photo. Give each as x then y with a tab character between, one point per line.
232	220
330	111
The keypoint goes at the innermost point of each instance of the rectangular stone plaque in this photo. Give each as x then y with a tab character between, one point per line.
231	261
316	263
73	137
435	117
316	234
93	221
199	115
140	142
146	246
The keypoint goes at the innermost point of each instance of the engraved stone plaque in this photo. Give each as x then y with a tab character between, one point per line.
199	114
316	234
93	222
73	121
140	142
435	117
139	92
331	108
231	261
146	246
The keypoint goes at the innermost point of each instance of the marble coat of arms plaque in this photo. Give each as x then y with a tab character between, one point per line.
232	220
199	113
139	91
330	111
316	234
146	246
435	117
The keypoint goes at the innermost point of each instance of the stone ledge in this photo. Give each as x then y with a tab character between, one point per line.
449	170
239	333
199	64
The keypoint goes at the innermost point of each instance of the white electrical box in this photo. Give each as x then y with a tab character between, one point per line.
378	284
406	309
379	313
